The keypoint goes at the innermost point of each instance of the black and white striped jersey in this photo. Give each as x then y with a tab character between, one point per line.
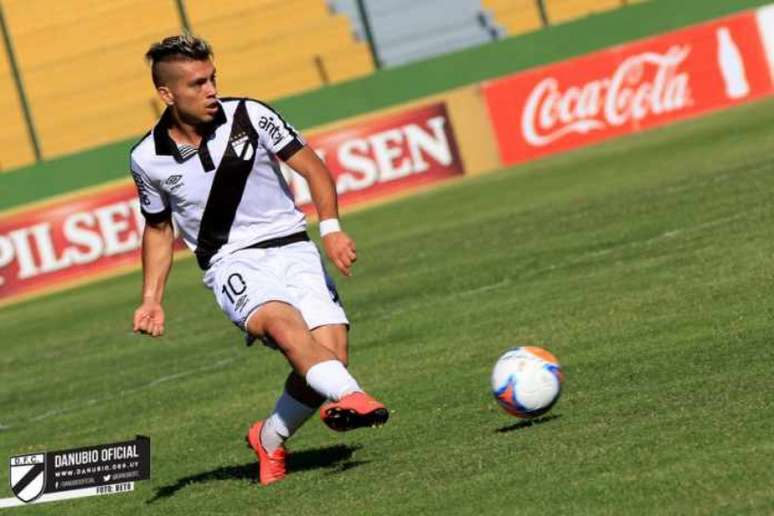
227	194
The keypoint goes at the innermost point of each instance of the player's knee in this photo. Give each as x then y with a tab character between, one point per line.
271	319
287	333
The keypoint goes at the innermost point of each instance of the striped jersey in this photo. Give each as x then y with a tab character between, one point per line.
229	193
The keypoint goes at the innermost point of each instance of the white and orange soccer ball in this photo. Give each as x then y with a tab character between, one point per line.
527	381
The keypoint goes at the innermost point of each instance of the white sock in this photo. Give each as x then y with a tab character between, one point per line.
331	380
288	416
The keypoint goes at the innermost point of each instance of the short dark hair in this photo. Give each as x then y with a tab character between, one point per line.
182	47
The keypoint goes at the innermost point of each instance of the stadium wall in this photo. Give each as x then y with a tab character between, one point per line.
88	235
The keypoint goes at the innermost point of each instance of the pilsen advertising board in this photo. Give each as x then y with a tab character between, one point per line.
82	237
628	88
67	241
385	155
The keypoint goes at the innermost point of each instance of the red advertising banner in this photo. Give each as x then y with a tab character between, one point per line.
384	155
628	88
78	238
70	240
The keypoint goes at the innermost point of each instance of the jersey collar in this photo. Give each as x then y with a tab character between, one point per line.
165	146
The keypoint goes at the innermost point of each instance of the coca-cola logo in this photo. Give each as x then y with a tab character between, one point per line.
643	85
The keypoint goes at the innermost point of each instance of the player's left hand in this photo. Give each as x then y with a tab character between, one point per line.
340	249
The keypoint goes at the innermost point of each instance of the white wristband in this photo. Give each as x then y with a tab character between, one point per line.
329	226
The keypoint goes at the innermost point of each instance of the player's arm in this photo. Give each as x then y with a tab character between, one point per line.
338	246
157	251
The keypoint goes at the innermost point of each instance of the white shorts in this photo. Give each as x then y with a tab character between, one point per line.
293	274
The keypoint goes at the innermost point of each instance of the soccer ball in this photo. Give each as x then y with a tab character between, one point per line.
526	381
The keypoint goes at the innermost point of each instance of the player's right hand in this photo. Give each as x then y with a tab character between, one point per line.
340	249
149	319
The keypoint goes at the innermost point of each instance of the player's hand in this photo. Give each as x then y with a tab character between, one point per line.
340	249
149	319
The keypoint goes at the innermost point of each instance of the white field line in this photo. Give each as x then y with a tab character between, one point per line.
125	392
667	235
581	258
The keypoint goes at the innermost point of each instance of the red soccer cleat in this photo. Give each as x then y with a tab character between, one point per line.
354	410
271	465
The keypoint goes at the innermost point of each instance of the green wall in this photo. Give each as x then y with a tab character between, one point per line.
397	85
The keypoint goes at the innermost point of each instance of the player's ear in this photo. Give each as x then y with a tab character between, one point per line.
166	95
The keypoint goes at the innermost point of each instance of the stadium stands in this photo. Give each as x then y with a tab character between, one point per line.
83	69
87	84
15	146
291	45
559	11
516	16
406	30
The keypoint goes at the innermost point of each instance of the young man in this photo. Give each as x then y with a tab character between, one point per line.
210	164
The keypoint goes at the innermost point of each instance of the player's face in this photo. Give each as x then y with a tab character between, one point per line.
192	91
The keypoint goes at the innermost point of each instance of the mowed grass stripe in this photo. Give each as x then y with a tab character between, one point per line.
644	264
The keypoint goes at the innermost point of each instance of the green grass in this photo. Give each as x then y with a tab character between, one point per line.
645	264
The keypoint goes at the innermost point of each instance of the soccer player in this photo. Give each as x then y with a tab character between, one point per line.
210	165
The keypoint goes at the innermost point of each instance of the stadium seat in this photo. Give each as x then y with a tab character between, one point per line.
347	63
259	39
202	10
560	11
287	81
406	30
516	16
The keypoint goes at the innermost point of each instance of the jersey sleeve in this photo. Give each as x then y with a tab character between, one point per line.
153	202
274	133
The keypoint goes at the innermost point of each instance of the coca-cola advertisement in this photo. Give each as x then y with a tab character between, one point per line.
384	155
628	88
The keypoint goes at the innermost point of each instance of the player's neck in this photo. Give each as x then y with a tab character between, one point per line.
184	132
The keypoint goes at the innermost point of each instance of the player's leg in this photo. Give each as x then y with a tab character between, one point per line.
285	326
299	401
332	337
314	293
358	409
316	375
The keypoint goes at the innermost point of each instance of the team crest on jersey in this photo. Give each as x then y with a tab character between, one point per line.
28	476
242	146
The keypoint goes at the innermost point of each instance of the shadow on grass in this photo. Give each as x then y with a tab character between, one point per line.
528	423
336	458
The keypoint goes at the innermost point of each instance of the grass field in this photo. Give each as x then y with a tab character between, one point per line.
645	264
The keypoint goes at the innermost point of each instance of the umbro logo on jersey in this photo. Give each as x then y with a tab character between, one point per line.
242	146
174	182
